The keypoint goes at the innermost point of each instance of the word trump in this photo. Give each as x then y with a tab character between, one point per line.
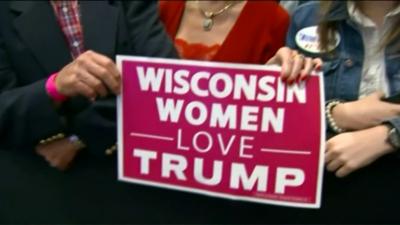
239	178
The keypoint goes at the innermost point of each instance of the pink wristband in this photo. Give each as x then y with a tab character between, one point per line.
52	91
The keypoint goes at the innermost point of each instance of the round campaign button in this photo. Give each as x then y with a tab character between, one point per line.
307	39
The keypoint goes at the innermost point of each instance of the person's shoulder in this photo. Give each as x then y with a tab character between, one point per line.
308	6
307	13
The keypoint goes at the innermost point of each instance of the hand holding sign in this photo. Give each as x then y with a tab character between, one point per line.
294	65
90	75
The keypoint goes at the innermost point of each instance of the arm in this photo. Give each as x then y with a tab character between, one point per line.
27	114
147	33
96	125
350	151
368	138
365	113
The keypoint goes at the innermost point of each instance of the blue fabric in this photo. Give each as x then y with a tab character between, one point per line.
342	69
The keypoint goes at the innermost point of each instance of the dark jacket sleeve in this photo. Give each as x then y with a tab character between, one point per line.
26	112
140	33
147	33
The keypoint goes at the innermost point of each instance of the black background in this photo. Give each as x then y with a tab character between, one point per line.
32	192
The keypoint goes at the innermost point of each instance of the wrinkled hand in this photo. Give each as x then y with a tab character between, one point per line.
59	153
364	113
89	75
294	65
351	151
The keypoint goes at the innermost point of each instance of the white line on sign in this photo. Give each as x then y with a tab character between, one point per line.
295	152
152	136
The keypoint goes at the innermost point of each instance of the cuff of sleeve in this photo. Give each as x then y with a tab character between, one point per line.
52	91
395	122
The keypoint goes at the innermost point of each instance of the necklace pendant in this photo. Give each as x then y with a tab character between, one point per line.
208	24
209	14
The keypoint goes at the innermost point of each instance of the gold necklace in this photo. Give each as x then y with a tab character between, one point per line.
209	16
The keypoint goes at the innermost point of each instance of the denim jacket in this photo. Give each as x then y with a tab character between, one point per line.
342	69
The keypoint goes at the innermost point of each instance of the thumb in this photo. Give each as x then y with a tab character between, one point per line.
283	58
279	55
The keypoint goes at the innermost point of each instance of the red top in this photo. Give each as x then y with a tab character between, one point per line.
257	34
196	51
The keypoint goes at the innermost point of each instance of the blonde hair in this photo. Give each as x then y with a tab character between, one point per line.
327	29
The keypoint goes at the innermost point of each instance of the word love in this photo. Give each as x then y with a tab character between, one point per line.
203	142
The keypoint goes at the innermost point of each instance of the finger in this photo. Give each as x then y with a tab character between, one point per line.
105	76
317	63
282	53
110	81
334	165
343	171
298	62
93	82
328	145
273	61
307	68
329	156
294	52
107	63
284	57
85	90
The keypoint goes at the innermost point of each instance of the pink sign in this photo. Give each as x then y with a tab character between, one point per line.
227	130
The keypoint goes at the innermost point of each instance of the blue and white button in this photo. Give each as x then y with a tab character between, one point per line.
308	40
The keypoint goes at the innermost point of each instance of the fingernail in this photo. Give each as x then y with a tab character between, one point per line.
318	68
290	82
283	79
